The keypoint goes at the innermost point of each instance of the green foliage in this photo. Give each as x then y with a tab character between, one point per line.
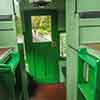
42	24
36	22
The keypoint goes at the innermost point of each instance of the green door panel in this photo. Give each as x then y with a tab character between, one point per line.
42	57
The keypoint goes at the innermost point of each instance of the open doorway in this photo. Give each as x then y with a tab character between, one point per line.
42	48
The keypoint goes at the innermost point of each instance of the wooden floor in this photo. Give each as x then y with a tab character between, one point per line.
50	92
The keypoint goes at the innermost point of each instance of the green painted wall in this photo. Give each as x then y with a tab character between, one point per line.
86	32
88	5
8	34
6	7
7	39
89	27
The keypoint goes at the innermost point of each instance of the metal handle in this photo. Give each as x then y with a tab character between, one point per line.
86	72
53	44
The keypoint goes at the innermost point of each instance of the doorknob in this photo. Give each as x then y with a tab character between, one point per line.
53	44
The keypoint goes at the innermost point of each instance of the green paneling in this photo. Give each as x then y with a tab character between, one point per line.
89	22
44	66
42	57
8	33
6	24
6	7
7	39
92	32
88	5
89	27
7	28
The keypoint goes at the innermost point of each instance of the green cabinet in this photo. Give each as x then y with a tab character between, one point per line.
7	77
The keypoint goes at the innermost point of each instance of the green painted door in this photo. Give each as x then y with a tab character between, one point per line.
42	45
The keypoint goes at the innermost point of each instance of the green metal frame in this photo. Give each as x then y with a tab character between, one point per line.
87	90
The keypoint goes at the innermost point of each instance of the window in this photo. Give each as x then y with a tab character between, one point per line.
41	28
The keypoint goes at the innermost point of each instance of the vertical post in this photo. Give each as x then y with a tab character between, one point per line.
72	40
23	73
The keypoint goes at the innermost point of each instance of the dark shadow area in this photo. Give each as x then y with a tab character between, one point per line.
32	86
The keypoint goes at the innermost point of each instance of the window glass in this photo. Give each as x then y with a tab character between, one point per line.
41	28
